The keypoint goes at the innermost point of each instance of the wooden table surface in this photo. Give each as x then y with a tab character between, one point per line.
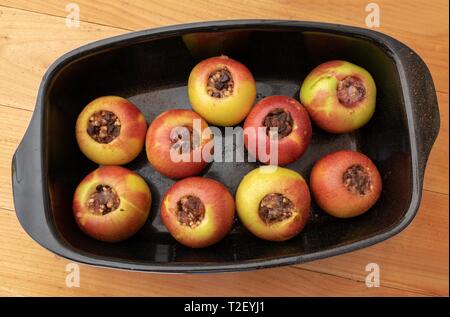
33	34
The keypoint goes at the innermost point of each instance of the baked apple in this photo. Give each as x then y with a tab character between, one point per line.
291	121
339	96
111	130
273	204
345	183
175	146
221	90
197	211
111	203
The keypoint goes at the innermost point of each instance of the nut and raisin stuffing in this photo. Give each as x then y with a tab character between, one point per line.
275	207
104	126
350	91
357	180
191	211
103	200
281	119
220	83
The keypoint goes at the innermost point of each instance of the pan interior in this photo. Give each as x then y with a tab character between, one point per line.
153	75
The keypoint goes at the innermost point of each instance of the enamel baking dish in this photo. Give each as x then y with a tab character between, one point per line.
151	69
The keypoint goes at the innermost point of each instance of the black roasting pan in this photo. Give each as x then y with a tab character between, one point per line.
151	68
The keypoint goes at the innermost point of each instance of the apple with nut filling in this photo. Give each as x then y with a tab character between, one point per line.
345	183
339	96
111	130
274	203
197	211
111	203
291	122
221	90
177	142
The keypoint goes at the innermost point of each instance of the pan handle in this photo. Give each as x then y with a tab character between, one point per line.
423	101
27	181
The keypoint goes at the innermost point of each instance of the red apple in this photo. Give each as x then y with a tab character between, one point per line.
197	211
345	183
111	204
221	90
291	120
173	130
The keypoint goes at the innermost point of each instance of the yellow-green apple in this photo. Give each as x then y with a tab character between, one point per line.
110	130
221	90
339	96
273	203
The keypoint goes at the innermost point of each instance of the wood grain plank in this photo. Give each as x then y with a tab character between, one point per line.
436	173
423	25
416	259
14	124
29	270
29	43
